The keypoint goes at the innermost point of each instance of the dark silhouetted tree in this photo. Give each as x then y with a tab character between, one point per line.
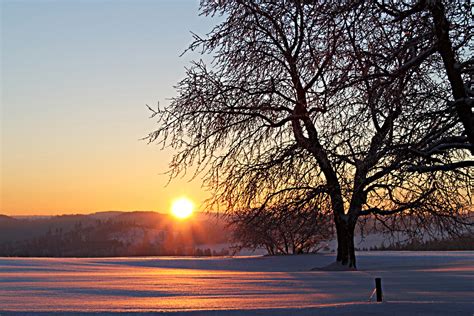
337	103
296	227
448	31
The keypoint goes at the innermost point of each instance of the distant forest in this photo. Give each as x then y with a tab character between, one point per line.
464	242
112	234
117	234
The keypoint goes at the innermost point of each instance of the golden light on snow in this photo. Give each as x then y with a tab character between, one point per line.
182	208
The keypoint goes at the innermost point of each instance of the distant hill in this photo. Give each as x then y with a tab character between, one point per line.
5	218
147	233
14	229
111	234
105	215
143	217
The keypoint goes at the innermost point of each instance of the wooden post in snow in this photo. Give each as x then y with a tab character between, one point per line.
378	288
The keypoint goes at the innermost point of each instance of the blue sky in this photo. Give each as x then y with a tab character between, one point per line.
76	76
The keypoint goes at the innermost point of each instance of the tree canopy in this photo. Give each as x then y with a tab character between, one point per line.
351	105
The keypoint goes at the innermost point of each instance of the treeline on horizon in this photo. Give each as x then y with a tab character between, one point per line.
111	235
463	242
122	234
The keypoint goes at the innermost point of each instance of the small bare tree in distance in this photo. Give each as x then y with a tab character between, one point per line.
298	226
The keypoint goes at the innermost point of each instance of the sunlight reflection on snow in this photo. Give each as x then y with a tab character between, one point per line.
108	287
185	284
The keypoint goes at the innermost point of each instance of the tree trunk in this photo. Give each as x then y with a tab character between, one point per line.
445	48
345	242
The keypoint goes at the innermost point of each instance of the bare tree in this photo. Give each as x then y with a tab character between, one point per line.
326	101
298	226
448	31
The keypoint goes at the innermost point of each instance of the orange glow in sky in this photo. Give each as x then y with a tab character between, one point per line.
73	109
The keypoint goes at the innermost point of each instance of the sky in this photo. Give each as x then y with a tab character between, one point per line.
75	78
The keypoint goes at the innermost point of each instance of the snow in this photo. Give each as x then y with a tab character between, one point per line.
414	283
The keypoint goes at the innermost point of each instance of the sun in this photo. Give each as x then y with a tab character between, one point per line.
182	208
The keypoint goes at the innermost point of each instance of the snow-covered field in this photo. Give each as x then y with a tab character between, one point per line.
414	283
